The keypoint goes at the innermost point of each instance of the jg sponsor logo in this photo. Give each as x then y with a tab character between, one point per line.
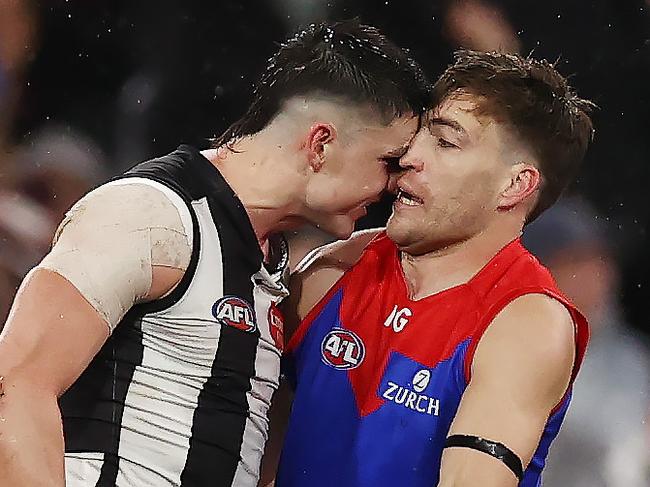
398	318
342	349
412	398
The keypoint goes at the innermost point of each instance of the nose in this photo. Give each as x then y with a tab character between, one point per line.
412	161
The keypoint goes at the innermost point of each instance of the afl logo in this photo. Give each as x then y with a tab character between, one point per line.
421	380
235	312
342	349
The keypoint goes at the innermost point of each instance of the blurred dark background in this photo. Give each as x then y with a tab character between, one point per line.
88	89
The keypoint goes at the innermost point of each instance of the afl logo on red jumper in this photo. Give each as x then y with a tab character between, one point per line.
235	312
342	349
276	326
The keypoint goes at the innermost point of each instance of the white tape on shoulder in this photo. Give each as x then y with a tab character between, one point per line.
110	240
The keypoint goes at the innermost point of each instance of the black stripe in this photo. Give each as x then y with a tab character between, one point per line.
222	410
93	407
110	467
492	448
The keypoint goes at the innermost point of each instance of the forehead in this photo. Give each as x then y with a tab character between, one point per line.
462	114
398	132
462	111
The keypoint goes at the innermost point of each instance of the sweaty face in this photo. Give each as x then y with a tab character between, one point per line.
454	173
355	172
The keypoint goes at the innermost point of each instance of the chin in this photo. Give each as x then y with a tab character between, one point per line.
343	233
406	238
340	228
397	233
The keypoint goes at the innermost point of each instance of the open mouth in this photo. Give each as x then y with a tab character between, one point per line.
408	199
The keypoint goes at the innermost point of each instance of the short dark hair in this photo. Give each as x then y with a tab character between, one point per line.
346	59
536	101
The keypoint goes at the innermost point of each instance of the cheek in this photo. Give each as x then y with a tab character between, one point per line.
471	187
377	178
368	176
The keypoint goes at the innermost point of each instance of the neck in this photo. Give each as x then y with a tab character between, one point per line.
255	173
455	264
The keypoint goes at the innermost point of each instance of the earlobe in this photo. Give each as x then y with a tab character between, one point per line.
524	182
320	134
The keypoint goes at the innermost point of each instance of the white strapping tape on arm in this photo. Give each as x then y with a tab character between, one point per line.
111	239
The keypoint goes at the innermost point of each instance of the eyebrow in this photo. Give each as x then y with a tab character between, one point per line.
452	124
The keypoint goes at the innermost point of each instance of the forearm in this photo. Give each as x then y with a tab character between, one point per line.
31	438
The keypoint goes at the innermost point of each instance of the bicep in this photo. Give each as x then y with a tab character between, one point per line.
521	370
119	245
51	335
122	244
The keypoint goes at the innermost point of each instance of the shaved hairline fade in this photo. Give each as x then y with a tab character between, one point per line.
347	60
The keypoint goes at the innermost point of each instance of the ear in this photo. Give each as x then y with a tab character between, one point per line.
525	180
319	135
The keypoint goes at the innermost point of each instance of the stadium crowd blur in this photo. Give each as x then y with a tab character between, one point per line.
89	88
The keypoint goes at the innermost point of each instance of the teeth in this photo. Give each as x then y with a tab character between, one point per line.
407	199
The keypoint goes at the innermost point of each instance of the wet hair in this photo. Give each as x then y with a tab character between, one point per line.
538	104
346	59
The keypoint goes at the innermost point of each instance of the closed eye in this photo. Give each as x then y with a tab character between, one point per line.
445	144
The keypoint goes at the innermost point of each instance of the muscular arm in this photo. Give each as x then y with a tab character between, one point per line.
521	370
52	333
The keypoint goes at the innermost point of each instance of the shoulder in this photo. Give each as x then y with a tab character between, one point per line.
531	344
536	323
322	268
341	254
131	203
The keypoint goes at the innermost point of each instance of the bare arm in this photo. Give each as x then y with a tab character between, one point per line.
521	370
51	335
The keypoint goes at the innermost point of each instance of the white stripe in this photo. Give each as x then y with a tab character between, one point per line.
180	344
263	385
83	469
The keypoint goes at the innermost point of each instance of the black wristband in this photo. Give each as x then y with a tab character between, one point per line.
492	448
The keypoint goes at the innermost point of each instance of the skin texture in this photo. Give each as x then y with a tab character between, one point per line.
301	168
474	184
50	337
319	162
